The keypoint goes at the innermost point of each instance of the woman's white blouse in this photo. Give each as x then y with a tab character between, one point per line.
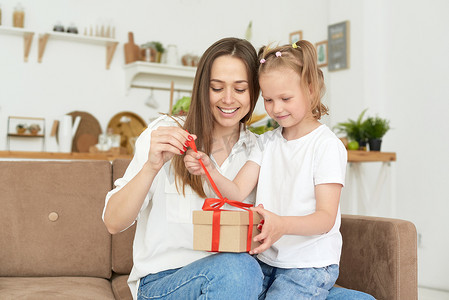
164	232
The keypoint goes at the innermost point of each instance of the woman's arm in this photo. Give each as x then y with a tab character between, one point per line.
238	189
124	205
321	221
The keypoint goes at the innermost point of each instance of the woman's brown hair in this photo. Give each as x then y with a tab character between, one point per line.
199	120
302	60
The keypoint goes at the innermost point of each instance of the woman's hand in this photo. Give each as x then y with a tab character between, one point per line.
271	231
165	143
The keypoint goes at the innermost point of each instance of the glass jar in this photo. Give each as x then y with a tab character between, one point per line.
18	17
58	27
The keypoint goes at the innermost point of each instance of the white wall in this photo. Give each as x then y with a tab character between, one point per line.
398	70
399	63
416	82
72	76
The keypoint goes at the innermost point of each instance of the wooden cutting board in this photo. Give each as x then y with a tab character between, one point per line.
129	125
132	51
88	131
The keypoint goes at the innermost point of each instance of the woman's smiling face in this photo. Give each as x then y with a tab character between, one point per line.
229	94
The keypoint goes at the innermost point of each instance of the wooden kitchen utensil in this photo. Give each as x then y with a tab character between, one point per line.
88	125
129	125
132	51
172	90
85	141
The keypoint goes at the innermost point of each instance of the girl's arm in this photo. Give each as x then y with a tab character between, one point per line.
124	205
238	189
319	222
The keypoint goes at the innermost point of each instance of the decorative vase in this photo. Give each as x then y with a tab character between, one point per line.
374	144
21	129
158	56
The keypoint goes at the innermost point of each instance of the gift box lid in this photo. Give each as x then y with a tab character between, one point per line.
227	217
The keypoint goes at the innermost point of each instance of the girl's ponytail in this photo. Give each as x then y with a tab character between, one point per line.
312	77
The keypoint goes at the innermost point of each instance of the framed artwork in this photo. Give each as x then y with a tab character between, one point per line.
338	46
295	36
321	49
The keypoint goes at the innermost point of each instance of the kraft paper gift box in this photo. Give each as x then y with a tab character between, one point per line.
233	230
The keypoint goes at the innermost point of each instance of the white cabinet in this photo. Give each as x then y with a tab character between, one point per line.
159	76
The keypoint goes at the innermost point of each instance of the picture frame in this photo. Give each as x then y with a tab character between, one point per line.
338	46
322	53
295	36
26	126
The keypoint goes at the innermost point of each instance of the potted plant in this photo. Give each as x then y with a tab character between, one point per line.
181	107
21	128
156	46
354	130
34	129
375	128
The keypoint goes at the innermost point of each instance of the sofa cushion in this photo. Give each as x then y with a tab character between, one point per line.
50	218
55	288
122	251
122	243
379	257
120	288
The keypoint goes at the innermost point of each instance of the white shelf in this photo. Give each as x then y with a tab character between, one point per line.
14	30
111	44
27	38
141	74
79	38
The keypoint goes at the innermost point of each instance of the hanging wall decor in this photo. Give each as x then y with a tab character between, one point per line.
338	46
321	49
295	36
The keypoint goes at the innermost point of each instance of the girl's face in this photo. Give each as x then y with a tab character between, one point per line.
285	100
229	91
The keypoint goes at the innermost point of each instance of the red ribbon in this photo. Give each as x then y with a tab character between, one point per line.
214	204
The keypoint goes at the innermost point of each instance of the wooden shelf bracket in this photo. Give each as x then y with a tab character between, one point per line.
110	50
27	41
43	38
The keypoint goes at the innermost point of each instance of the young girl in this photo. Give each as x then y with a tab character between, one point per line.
158	191
300	172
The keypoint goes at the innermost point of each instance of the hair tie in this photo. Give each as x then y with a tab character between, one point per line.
294	45
278	54
262	60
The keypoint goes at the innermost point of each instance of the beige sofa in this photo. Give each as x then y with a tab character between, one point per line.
54	245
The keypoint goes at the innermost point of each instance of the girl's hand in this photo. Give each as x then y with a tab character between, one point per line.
165	143
192	163
272	229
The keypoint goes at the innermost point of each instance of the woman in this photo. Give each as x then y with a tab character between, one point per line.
158	191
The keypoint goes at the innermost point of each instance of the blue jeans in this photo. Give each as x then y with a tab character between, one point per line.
338	293
309	283
220	276
304	283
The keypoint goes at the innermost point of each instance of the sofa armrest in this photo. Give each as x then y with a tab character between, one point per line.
379	257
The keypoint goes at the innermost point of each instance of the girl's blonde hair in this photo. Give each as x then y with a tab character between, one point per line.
200	120
301	57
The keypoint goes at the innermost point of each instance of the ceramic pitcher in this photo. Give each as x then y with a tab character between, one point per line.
66	132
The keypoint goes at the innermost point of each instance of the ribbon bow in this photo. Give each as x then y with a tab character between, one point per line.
214	204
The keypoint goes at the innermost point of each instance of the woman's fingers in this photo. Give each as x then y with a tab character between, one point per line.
173	136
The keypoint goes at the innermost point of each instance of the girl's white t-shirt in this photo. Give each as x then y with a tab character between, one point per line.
289	172
164	232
